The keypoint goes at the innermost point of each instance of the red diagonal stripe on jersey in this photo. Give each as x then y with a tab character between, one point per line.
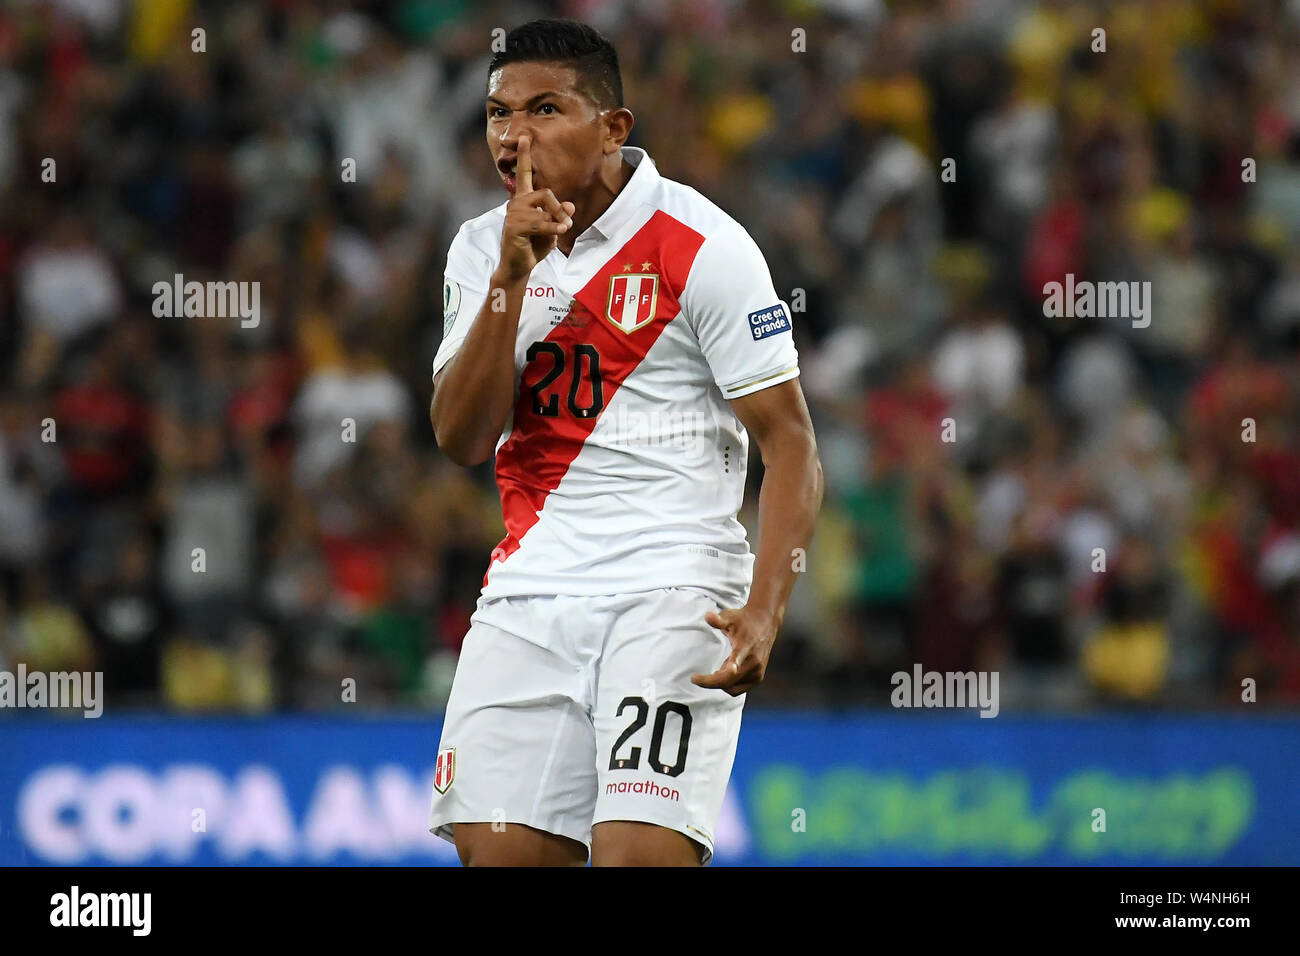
540	449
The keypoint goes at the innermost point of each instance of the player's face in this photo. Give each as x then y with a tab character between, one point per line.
564	127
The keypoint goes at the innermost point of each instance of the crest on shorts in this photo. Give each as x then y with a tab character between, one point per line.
632	299
445	771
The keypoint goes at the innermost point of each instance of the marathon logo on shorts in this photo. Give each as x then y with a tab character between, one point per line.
767	322
445	771
644	786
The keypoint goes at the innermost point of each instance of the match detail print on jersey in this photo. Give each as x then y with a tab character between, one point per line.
636	292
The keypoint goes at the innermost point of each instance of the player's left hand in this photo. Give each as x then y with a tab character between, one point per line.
752	633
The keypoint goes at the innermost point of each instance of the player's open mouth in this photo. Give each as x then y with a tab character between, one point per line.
508	167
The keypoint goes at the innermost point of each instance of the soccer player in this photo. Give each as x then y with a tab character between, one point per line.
614	337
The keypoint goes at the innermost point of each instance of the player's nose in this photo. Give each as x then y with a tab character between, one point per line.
518	126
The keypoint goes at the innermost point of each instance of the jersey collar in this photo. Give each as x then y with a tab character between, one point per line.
629	200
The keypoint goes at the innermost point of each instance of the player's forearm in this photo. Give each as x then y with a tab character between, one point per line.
473	397
788	502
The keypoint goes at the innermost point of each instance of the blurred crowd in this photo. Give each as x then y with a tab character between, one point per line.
1105	512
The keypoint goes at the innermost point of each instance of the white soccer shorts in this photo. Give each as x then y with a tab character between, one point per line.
569	711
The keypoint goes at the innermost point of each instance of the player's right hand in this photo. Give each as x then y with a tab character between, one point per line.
535	220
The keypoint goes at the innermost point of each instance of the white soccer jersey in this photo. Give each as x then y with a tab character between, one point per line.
622	467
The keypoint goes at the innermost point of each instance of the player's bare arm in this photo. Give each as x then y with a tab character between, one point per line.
473	394
788	503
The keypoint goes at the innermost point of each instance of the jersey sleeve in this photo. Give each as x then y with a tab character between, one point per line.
464	290
743	328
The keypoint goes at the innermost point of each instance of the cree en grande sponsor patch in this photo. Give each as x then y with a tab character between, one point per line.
771	321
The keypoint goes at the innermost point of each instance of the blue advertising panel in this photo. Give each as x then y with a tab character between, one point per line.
806	790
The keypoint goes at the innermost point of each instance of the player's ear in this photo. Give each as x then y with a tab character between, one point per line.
618	124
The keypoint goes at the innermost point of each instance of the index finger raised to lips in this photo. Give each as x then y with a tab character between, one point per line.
525	165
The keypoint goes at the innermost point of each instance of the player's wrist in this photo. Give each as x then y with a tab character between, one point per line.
769	610
510	279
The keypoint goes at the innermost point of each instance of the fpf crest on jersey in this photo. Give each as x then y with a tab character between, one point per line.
632	300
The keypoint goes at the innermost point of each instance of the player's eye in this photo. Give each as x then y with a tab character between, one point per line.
547	106
496	111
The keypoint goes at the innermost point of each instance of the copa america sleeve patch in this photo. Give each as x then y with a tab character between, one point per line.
450	304
771	321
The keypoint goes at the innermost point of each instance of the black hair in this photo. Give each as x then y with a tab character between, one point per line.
591	56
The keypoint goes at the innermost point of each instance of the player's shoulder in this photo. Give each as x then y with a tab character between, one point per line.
728	258
477	242
483	231
697	211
